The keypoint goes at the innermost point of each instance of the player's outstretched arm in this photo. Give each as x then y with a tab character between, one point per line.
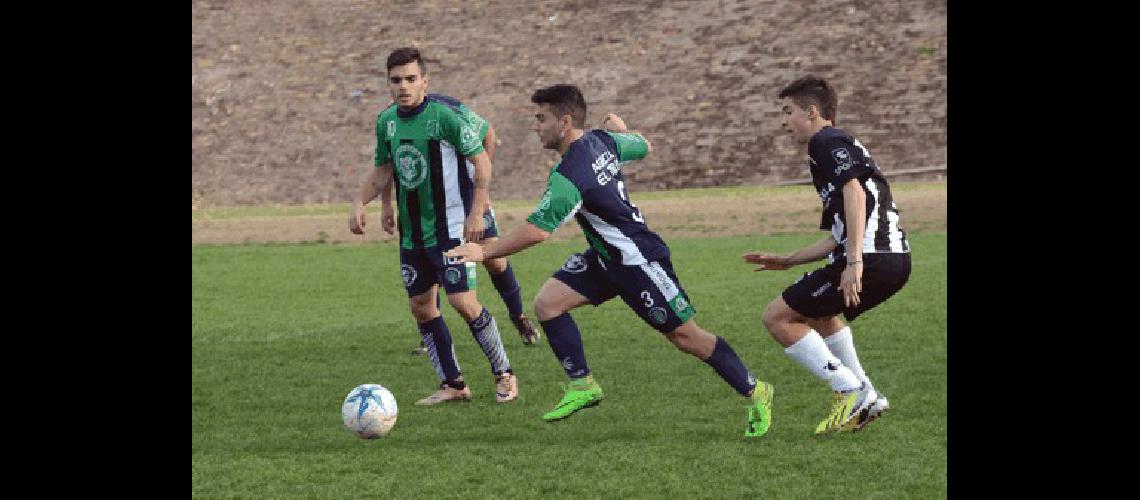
773	262
518	239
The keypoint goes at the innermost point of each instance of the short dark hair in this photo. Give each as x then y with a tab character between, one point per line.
405	55
813	90
563	99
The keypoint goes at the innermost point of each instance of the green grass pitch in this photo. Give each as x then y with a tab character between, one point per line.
281	333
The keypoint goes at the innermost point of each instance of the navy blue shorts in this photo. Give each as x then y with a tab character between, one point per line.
424	267
651	290
817	294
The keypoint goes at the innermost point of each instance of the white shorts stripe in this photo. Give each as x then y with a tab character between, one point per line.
660	278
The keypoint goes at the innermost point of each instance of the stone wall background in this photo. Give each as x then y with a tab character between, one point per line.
285	93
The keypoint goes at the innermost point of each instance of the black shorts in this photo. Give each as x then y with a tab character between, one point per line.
817	294
651	289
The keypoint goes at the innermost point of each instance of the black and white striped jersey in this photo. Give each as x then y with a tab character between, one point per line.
835	158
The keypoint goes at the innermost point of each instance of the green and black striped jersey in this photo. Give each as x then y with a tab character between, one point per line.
428	148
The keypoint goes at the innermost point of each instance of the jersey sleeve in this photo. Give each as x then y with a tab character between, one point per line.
630	146
560	202
460	132
480	124
383	155
839	160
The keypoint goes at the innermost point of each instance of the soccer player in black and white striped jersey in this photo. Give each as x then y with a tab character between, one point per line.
867	251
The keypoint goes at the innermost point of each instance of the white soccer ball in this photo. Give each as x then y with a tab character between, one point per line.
369	411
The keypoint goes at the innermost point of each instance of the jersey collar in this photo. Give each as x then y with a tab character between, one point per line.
415	111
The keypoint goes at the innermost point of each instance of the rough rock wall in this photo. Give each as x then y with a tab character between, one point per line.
285	92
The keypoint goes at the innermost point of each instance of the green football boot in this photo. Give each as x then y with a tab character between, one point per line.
760	411
581	393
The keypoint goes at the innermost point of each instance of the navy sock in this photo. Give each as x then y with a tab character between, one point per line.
566	342
728	365
508	288
438	341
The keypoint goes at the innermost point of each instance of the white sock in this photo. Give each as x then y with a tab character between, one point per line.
812	353
843	347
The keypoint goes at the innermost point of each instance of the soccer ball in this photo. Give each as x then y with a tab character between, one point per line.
369	411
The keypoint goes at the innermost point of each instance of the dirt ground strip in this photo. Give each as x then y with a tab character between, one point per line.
788	210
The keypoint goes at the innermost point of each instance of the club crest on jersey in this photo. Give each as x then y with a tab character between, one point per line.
452	274
658	315
410	166
409	274
467	138
842	159
575	264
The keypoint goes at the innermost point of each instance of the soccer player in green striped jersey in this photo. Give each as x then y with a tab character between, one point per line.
426	145
625	258
500	270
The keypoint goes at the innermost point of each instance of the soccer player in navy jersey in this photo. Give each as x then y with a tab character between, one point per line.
625	258
867	251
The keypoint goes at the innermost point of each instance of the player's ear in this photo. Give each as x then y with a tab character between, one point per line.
812	111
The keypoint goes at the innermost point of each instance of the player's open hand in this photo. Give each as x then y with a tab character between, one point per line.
356	220
387	219
473	228
467	252
851	284
768	262
614	123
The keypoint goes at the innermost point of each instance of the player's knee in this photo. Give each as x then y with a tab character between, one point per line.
773	316
423	310
682	341
466	305
496	266
545	308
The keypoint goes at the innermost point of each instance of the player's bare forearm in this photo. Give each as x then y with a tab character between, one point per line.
387	190
812	253
855	217
481	190
374	184
519	239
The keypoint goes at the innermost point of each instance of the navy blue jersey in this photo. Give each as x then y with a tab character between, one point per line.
587	184
835	159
